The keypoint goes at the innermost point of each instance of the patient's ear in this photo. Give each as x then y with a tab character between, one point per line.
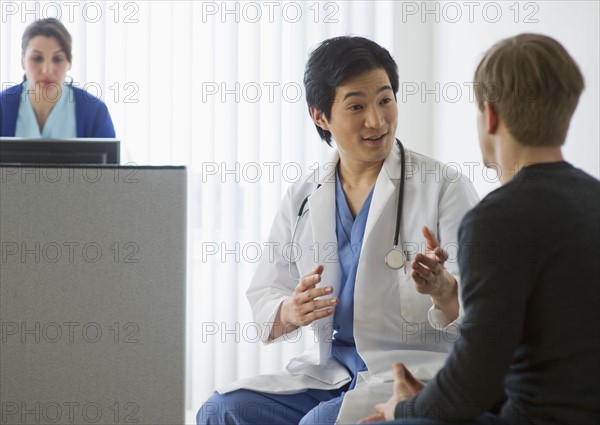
491	118
318	118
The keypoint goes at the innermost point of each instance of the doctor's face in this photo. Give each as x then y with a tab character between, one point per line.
363	118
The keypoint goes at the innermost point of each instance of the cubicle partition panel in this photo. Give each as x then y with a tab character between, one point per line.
92	295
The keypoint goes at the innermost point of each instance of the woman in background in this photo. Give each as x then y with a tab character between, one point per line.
43	105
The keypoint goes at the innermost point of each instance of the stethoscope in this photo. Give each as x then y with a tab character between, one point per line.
395	259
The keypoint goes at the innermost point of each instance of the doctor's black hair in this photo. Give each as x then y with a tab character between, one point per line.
336	60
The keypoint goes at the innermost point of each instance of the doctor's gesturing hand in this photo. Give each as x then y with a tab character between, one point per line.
303	307
432	278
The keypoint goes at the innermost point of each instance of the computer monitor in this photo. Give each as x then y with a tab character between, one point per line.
17	150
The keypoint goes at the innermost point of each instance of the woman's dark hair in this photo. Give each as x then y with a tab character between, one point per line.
336	60
50	27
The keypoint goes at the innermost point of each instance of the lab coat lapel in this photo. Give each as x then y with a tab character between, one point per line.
385	187
323	225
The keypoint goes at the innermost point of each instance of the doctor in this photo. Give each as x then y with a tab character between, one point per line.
355	220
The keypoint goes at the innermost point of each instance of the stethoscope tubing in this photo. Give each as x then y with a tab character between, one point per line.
395	258
400	192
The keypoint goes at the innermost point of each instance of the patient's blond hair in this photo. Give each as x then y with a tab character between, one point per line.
533	85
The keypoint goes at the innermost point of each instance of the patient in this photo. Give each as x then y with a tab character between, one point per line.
529	344
43	105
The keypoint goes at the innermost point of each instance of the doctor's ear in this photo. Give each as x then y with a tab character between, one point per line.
318	118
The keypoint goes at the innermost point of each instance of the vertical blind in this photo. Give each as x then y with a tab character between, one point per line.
215	86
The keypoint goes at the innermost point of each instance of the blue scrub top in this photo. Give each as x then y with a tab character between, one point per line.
61	123
349	232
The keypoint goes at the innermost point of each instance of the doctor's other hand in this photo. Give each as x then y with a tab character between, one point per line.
405	387
432	278
303	307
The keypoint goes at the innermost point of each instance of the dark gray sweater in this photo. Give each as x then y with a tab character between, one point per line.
530	279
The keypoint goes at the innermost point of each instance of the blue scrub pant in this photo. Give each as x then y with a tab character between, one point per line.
245	407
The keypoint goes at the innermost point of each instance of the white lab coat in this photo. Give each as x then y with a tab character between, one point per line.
390	317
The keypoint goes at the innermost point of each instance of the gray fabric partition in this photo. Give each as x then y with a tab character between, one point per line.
92	295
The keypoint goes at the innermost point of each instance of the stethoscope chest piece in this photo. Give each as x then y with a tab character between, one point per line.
395	258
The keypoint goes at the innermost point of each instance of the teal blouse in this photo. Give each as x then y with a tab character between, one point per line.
60	124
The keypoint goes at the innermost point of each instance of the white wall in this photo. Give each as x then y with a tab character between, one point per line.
442	51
